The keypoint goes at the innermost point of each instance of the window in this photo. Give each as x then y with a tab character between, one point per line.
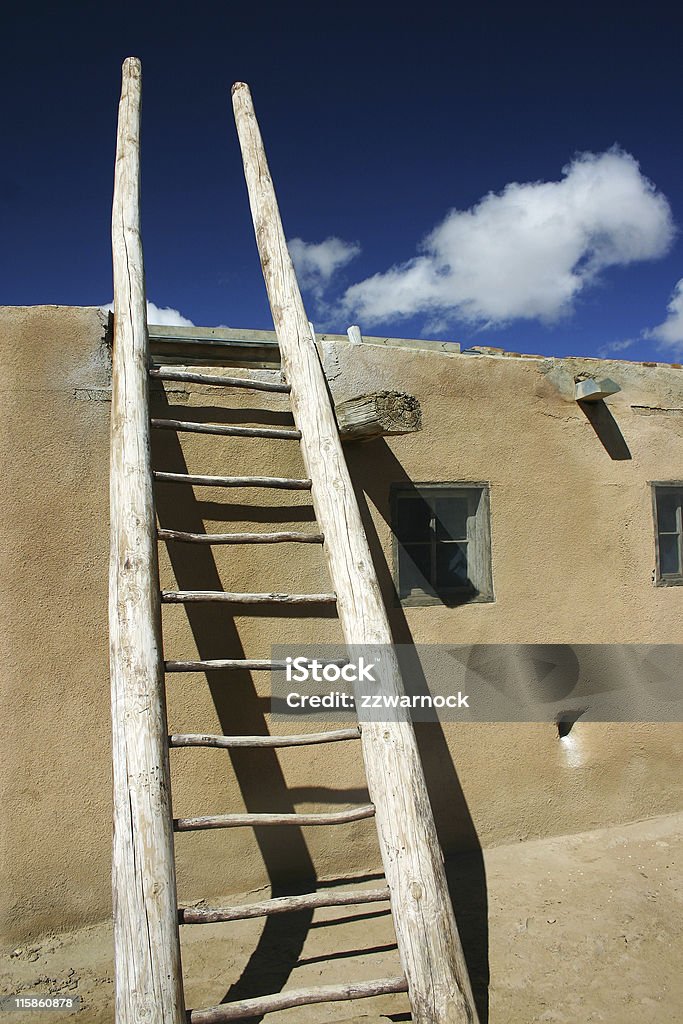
668	507
442	546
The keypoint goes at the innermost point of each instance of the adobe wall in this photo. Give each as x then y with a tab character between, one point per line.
559	504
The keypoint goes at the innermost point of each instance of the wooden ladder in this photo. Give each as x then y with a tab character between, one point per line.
149	984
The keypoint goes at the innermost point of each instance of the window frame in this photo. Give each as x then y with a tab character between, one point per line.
673	579
447	596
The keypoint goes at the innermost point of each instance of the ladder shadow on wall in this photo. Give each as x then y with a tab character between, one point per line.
371	465
220	414
239	707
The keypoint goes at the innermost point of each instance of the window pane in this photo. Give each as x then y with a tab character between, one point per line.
451	518
413	568
451	565
412	519
668	503
669	556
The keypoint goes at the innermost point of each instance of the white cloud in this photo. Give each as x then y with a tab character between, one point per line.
160	316
526	252
166	316
670	332
315	263
606	350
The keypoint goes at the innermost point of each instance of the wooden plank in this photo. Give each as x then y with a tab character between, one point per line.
185	596
300	740
148	975
295	997
283	905
427	936
224	346
222	382
275	482
257	820
232	337
281	537
229	356
213	336
217	346
225	429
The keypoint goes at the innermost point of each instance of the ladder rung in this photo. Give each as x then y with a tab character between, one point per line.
244	664
280	483
300	740
184	596
226	382
281	905
257	820
281	537
225	429
296	997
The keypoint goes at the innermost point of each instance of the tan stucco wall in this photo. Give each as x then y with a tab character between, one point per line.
559	503
54	780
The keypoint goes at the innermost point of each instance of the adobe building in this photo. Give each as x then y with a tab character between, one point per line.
573	536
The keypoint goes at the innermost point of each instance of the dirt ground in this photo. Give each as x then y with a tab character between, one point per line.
571	930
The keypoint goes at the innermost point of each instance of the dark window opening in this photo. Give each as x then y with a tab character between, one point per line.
442	547
668	504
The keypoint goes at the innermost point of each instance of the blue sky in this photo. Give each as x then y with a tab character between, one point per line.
498	175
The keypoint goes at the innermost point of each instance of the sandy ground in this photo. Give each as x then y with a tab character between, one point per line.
571	930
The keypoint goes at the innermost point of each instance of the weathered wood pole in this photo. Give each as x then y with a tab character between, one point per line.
147	949
426	932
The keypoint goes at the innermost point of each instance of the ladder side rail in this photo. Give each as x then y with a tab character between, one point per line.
147	947
426	932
